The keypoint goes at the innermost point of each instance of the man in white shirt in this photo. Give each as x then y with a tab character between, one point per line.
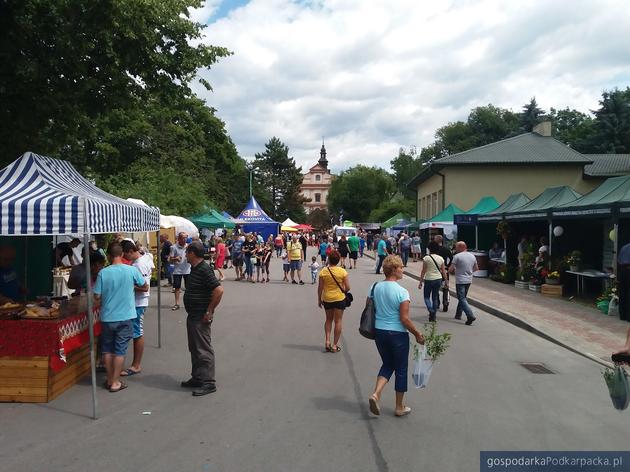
463	265
144	263
182	267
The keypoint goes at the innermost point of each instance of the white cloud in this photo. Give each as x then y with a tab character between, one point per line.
372	76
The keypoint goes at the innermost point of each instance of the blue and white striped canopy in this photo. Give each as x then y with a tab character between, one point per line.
41	195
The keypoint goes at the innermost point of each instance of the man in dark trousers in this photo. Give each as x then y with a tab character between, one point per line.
203	295
304	243
164	255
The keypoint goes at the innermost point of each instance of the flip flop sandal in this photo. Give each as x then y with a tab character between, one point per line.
123	386
129	372
328	348
335	349
175	307
106	386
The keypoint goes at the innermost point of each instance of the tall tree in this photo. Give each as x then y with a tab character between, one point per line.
277	173
489	124
531	115
359	190
573	128
612	122
73	62
405	167
319	218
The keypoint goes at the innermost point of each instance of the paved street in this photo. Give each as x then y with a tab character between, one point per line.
284	405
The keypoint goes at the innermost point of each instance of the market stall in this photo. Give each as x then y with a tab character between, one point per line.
253	219
46	345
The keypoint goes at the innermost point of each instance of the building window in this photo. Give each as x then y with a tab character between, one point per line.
318	197
318	177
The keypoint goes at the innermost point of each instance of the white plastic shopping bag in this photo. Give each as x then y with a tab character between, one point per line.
422	367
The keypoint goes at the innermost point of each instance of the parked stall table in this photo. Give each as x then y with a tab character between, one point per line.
591	274
40	359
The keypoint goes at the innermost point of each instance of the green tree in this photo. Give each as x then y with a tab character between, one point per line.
455	137
390	208
73	62
319	218
489	124
405	166
531	115
573	127
359	190
280	178
612	123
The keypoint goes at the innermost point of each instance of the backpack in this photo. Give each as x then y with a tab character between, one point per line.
329	249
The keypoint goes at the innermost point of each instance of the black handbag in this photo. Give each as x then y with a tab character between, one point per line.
349	298
367	325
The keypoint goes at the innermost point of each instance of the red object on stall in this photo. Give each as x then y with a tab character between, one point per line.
53	338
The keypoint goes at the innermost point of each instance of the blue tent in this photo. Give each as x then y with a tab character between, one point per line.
254	219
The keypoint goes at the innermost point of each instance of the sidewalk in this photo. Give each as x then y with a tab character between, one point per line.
578	328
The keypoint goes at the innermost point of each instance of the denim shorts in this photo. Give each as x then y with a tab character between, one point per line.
296	265
115	337
138	322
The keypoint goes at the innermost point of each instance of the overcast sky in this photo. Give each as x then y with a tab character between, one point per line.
372	76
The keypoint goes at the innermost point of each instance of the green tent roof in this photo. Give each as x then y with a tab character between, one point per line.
211	219
446	215
394	220
614	191
547	200
484	205
511	203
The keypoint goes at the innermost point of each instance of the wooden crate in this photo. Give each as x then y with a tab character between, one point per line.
30	379
552	290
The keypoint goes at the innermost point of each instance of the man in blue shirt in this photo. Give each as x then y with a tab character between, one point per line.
115	289
381	252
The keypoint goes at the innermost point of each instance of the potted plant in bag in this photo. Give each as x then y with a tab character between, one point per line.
434	346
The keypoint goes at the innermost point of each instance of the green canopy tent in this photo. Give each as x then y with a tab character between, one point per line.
395	220
466	220
511	203
444	221
609	201
211	219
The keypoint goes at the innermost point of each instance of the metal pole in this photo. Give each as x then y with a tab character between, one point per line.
477	237
250	182
159	287
550	238
615	247
90	308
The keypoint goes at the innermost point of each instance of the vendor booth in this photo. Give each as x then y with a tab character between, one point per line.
253	219
47	345
211	219
442	223
468	224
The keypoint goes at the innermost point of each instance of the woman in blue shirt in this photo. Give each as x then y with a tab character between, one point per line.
391	302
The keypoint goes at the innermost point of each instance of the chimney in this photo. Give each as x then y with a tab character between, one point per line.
543	129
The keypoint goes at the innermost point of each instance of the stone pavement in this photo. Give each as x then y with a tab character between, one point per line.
579	328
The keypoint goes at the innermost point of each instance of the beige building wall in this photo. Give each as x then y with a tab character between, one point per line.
465	185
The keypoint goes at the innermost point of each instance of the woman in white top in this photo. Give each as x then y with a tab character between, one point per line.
433	273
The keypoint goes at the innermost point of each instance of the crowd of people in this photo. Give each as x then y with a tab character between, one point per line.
122	289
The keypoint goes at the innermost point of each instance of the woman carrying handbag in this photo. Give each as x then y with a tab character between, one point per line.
332	291
433	277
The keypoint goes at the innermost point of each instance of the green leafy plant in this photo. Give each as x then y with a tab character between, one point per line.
503	229
436	343
574	258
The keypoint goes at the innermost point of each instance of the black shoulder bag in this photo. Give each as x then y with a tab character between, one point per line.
349	298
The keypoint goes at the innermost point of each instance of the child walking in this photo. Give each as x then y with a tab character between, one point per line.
266	261
285	265
314	268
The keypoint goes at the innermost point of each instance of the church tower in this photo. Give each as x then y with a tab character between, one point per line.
316	183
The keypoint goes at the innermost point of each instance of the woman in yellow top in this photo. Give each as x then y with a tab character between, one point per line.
333	298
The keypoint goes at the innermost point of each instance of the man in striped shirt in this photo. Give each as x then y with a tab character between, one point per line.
203	294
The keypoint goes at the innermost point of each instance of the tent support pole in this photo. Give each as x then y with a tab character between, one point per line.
477	237
615	247
90	314
159	287
550	243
